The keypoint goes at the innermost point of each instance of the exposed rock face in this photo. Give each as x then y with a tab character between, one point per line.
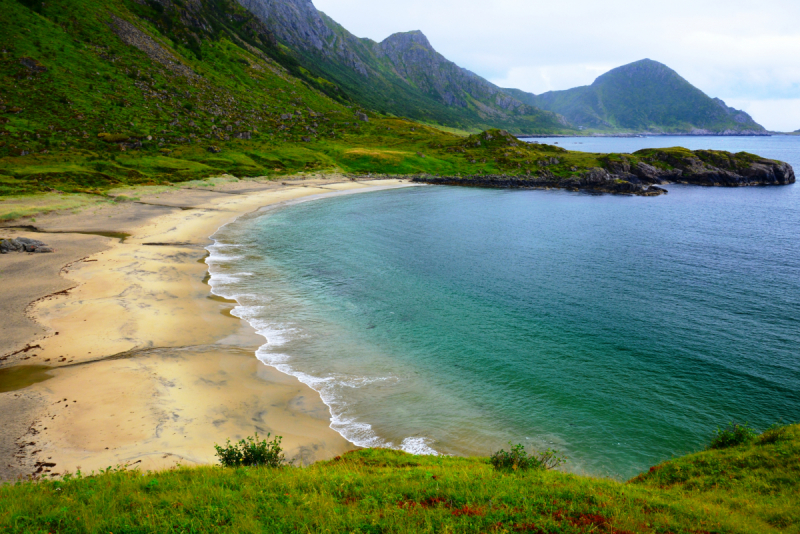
133	36
295	22
23	244
32	65
412	57
403	74
300	25
594	181
712	168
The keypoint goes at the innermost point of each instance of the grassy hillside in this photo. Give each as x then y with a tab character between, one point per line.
642	96
106	93
407	77
402	75
751	488
102	94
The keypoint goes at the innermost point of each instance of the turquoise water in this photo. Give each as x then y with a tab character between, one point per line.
619	330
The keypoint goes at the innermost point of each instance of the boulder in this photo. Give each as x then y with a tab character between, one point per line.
32	65
23	244
647	173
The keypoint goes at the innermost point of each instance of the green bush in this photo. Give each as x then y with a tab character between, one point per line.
775	433
732	435
251	452
517	459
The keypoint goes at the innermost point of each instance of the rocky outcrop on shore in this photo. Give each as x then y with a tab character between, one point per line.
593	181
704	167
643	172
23	244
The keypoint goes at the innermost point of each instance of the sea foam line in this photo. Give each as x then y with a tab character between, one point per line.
357	432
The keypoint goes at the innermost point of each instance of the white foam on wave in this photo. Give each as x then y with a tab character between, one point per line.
419	446
358	432
221	258
329	388
217	245
224	278
276	335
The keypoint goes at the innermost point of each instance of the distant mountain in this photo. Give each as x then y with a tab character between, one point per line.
402	75
645	96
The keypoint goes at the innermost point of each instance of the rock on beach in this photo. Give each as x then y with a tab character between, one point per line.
23	244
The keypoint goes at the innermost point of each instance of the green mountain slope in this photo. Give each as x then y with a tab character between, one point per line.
751	488
100	94
402	75
104	93
644	96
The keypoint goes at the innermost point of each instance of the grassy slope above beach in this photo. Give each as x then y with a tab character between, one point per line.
102	94
747	488
83	109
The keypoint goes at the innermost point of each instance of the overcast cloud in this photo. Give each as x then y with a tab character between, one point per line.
745	52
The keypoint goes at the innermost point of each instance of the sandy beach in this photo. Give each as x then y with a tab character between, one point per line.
114	352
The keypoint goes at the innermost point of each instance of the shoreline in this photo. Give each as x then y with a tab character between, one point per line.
646	135
129	360
337	423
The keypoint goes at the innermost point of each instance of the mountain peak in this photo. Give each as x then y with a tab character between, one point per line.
639	69
408	40
646	96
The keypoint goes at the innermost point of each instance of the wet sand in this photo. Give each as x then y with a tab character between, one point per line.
115	352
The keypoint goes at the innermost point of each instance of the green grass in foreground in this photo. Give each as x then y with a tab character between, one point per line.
748	488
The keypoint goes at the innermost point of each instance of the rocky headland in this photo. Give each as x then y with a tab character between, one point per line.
643	172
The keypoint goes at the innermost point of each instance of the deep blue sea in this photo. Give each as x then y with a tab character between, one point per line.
619	330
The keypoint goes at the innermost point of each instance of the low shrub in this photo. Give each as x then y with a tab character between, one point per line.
732	435
251	452
518	459
775	433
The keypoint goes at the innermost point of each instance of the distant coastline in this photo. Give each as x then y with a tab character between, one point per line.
645	135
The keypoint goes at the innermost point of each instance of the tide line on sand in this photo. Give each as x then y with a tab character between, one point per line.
331	389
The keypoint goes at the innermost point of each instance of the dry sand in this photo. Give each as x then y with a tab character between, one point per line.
114	352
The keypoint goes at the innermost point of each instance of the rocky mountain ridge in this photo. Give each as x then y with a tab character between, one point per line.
405	76
402	75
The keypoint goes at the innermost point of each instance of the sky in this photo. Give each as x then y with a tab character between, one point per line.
745	52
